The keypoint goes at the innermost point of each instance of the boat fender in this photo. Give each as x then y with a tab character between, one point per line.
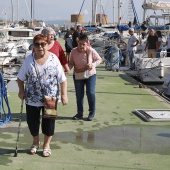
161	65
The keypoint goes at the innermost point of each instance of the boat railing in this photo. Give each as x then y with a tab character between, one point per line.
145	54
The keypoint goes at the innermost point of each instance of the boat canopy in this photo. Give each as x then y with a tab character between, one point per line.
126	27
157	5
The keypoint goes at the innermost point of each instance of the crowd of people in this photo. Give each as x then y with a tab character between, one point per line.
48	66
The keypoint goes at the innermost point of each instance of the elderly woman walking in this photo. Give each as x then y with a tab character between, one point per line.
41	69
55	47
84	58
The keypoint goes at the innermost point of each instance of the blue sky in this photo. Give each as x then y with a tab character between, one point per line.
62	9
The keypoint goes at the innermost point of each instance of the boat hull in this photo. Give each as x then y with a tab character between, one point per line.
152	69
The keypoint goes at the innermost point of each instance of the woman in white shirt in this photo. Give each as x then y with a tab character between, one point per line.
40	69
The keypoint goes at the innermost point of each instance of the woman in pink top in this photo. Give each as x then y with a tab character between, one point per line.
82	58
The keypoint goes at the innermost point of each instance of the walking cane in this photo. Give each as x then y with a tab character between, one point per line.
19	128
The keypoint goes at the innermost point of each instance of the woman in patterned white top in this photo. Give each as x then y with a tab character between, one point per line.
41	71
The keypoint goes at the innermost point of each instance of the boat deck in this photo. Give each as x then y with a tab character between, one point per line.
116	139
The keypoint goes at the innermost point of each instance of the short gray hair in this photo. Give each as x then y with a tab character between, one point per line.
46	30
131	29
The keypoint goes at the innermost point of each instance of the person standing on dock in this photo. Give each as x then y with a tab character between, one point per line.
55	47
151	44
131	47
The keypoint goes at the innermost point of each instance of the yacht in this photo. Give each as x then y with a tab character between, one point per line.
14	41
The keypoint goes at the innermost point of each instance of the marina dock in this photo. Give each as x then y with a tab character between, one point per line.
117	139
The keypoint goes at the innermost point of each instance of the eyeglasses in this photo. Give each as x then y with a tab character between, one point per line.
37	45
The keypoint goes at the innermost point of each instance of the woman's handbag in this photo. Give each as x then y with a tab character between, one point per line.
82	75
50	102
50	106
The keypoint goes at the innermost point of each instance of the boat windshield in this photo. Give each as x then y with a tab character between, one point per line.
19	33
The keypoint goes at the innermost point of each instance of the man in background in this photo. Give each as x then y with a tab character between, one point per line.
75	35
131	47
151	44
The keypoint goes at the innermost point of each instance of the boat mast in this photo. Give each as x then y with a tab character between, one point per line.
32	12
113	11
79	13
18	11
119	17
130	12
12	7
31	15
101	12
144	12
94	6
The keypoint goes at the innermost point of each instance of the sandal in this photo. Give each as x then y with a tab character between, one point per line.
34	149
46	152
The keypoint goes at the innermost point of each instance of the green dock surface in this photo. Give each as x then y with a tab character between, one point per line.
117	139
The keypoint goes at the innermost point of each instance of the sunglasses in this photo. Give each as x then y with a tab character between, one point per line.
37	45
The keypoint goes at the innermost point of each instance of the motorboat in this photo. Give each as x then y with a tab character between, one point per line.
16	33
152	69
14	42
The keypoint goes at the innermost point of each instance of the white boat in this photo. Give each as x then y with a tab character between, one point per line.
17	33
152	69
14	42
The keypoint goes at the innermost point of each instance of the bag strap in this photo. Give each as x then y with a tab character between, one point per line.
38	77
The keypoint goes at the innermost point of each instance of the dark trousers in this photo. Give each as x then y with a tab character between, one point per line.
90	84
33	121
